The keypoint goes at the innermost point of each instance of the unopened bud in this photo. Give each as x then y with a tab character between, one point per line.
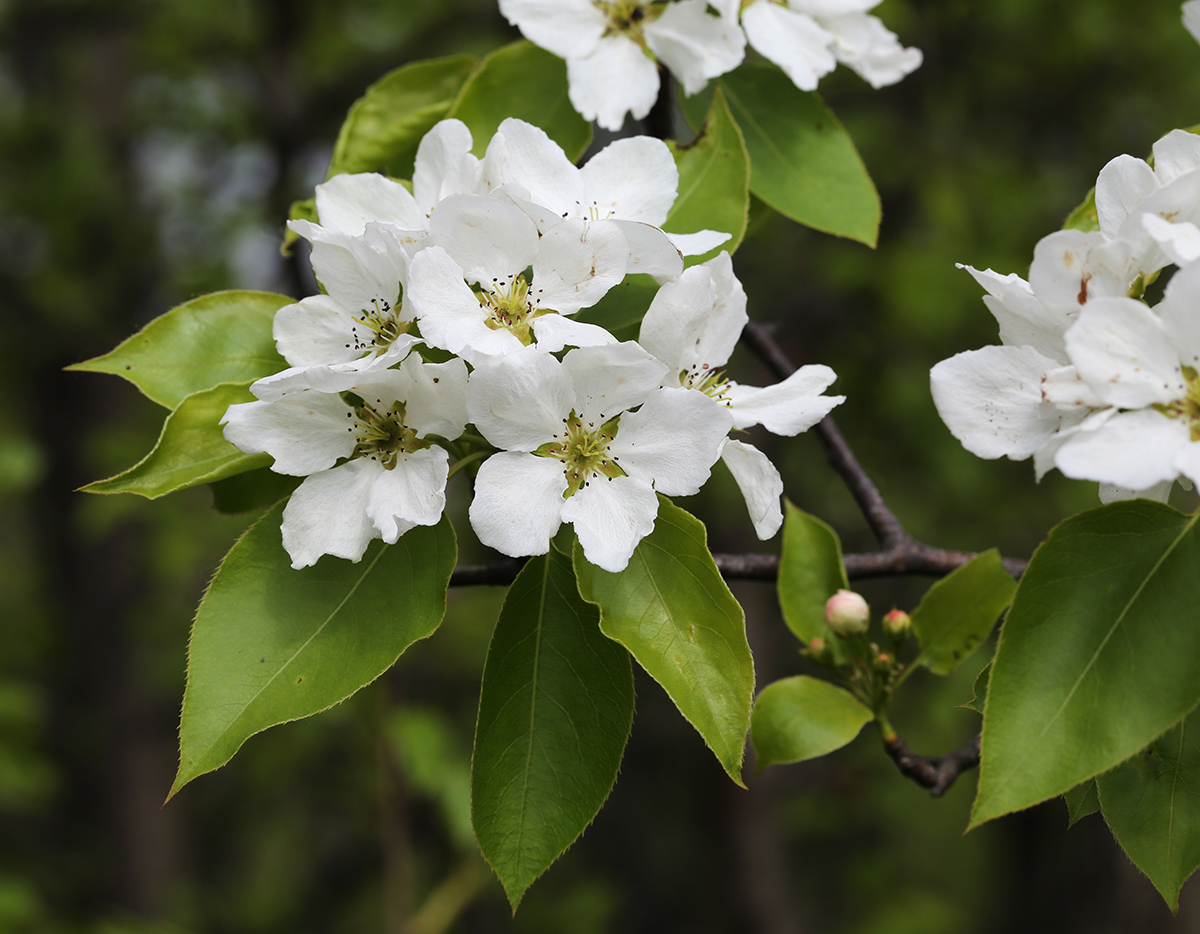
884	661
818	650
897	624
847	613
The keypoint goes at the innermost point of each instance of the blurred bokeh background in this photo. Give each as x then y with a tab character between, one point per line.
149	152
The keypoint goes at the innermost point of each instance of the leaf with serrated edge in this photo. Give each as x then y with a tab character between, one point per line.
255	489
714	181
555	711
1100	653
957	613
1081	800
1152	806
802	718
526	82
224	337
979	691
191	449
673	612
271	644
810	572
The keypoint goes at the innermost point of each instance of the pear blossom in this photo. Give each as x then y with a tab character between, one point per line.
692	326
371	468
470	292
1191	18
589	440
807	39
611	47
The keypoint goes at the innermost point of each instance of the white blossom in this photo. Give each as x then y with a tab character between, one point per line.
590	441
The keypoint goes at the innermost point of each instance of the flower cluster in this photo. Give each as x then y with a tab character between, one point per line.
1090	377
446	330
613	47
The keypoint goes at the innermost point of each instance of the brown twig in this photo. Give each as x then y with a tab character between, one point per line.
937	773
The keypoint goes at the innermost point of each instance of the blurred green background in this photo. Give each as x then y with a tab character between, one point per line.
150	150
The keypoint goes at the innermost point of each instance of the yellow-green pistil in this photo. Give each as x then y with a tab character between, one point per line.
380	324
383	436
627	17
1189	406
709	381
583	449
512	305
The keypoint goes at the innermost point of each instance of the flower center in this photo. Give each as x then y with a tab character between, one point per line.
583	449
708	381
383	436
1187	407
510	306
627	17
380	325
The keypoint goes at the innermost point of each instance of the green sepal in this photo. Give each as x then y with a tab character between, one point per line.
957	613
673	612
555	710
271	644
802	718
191	449
223	337
1099	655
810	572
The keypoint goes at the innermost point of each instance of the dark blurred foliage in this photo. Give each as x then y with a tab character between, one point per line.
150	150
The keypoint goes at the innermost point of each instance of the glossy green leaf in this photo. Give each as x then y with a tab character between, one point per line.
979	693
224	337
810	572
555	711
672	611
1099	655
254	489
1152	806
803	718
1082	800
714	181
190	450
271	644
623	306
384	126
957	613
526	82
802	161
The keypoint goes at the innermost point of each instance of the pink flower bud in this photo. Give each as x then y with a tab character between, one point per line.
847	613
897	624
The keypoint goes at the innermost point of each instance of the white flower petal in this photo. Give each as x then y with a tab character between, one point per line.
1123	184
788	407
568	28
1191	18
760	484
518	503
698	243
1178	313
1176	154
486	237
695	45
554	332
611	517
650	250
304	432
1025	320
673	440
696	320
522	154
435	397
313	331
577	263
615	79
1066	389
1187	462
332	378
327	514
356	271
634	179
991	400
1111	493
519	401
871	49
609	379
1120	348
1181	242
791	40
412	493
445	166
1132	449
448	311
347	203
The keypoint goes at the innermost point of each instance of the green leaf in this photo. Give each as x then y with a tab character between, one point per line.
435	764
672	611
1152	806
254	489
305	210
714	181
802	718
271	644
810	572
1099	655
384	126
526	82
957	613
1084	216
979	691
224	337
624	305
555	711
1082	800
190	450
802	161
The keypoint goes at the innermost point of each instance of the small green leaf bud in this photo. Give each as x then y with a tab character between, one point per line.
897	624
847	613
